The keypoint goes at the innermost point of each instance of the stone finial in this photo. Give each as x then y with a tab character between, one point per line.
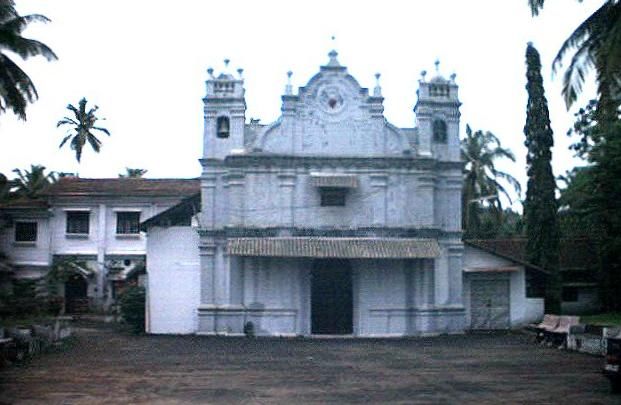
226	62
333	61
289	87
437	63
423	73
240	72
453	76
377	91
210	72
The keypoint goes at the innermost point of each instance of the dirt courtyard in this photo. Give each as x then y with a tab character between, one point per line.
105	366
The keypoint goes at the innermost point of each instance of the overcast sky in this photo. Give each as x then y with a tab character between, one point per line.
144	63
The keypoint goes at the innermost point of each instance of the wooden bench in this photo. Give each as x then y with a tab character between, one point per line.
546	326
558	335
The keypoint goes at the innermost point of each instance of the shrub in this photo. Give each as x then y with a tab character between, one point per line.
133	308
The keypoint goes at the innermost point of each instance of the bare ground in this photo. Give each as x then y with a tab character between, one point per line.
105	366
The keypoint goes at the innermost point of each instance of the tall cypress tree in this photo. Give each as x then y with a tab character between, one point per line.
540	207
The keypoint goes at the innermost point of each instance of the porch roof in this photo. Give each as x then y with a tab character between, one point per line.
340	180
347	248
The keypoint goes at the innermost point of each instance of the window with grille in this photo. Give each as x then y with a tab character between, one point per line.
78	222
25	232
127	223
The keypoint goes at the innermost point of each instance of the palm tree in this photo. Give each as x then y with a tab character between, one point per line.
81	128
479	151
16	88
597	45
30	183
133	173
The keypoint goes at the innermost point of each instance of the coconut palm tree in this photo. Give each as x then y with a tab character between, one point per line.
16	88
81	127
482	188
596	43
30	183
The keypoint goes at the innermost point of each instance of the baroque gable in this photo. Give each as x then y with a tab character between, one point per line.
332	116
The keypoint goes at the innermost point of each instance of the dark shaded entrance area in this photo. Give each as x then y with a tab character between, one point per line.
331	298
76	299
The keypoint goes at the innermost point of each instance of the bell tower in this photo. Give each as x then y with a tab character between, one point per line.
437	117
225	114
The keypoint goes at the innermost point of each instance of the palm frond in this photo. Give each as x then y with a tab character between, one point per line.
16	88
104	130
65	139
535	6
589	28
66	121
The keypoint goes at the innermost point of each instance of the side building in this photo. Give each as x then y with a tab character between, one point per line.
91	227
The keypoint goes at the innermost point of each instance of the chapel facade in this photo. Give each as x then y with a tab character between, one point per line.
330	220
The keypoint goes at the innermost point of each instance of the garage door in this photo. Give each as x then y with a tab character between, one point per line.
489	304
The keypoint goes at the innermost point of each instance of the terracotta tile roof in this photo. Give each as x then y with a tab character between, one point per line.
25	203
574	253
140	187
366	248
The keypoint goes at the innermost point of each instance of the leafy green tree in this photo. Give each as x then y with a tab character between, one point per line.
540	206
16	88
30	183
596	44
482	188
133	173
81	128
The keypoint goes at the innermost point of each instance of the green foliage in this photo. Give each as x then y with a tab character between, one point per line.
81	128
16	88
482	188
133	303
133	173
540	206
27	299
30	183
590	200
605	319
595	45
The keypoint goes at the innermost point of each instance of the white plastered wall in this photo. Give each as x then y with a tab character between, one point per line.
173	269
523	310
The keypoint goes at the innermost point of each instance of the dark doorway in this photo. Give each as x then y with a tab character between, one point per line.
331	298
76	299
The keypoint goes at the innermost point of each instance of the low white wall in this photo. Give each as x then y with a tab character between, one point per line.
173	268
533	310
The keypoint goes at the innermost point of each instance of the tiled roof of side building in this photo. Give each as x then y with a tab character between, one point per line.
74	186
25	204
578	253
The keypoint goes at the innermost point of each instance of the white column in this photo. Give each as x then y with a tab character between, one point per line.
286	183
208	197
455	254
101	256
235	181
442	277
379	183
427	201
207	251
222	276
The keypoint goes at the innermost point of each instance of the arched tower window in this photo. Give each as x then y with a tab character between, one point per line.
439	131
223	127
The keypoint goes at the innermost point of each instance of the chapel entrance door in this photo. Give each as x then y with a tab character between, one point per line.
331	298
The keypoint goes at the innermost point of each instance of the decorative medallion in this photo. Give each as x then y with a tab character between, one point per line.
330	99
